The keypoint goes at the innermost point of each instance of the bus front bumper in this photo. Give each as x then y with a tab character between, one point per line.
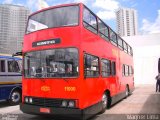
62	112
40	110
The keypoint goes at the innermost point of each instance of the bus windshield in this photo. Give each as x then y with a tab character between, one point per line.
56	17
51	63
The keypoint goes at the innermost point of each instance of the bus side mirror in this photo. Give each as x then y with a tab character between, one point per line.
17	54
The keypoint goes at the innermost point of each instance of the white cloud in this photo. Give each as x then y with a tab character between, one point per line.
110	5
107	8
7	1
72	1
42	4
37	4
83	1
106	15
151	27
32	4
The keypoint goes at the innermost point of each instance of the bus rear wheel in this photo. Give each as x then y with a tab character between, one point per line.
127	91
104	102
15	97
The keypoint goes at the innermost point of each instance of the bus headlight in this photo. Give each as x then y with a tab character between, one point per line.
64	103
71	104
30	100
26	99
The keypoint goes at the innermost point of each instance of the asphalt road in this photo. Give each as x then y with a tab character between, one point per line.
143	104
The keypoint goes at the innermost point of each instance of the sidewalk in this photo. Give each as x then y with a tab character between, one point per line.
144	100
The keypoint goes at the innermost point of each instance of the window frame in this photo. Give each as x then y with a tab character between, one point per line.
102	35
12	66
84	70
114	42
131	51
24	61
5	68
52	27
130	70
125	46
96	29
127	70
110	72
120	46
123	70
113	68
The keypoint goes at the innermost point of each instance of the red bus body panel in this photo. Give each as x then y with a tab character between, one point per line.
88	91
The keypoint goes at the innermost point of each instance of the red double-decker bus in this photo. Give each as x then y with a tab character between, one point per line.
74	64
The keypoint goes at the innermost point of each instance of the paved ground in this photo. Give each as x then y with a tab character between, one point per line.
143	104
144	100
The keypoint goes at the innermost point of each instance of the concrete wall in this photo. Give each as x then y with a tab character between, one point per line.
146	50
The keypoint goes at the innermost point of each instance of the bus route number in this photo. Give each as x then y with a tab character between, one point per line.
69	89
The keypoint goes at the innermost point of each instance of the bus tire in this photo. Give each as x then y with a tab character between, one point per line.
127	92
15	97
104	102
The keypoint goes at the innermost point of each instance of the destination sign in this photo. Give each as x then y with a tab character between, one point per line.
46	42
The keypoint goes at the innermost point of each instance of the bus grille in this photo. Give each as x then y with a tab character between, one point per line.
47	102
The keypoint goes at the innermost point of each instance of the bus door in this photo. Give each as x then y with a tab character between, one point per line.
91	77
109	75
114	82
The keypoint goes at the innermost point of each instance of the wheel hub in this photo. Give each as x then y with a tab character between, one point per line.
15	97
104	100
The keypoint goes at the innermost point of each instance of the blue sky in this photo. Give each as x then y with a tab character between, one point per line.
148	10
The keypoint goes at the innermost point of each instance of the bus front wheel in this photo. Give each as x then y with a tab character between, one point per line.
15	97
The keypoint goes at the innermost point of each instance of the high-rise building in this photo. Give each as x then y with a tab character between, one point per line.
126	19
13	19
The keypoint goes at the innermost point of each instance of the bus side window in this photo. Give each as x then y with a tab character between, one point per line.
87	61
89	21
120	43
106	67
113	68
126	70
125	46
91	66
130	70
13	66
113	37
123	70
129	50
2	66
103	30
